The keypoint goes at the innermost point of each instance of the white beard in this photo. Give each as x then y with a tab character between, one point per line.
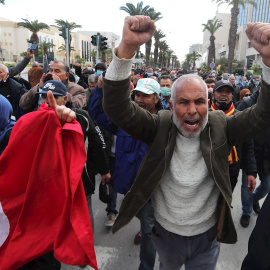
186	134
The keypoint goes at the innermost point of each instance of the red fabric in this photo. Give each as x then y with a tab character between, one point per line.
42	194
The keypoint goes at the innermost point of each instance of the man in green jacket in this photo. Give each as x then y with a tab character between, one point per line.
185	172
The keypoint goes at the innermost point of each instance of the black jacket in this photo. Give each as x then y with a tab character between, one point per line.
261	142
16	91
96	150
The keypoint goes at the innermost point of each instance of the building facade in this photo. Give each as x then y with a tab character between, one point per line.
221	35
13	42
248	13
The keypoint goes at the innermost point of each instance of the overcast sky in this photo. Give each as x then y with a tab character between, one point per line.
182	20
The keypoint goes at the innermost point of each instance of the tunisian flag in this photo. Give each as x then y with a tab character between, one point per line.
42	200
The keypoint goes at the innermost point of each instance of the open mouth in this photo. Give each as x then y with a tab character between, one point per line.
192	123
223	100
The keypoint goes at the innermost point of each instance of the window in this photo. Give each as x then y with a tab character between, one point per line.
10	43
9	34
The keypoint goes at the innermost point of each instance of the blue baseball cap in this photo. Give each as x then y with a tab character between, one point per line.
57	88
148	86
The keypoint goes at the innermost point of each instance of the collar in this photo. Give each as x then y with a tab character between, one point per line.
230	111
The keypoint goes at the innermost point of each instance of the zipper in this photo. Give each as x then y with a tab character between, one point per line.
211	148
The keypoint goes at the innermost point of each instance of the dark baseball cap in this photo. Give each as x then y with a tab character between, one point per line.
57	88
222	83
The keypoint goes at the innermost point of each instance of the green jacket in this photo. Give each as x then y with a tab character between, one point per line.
159	132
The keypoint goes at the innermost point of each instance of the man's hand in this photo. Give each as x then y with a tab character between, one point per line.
251	181
136	78
105	178
137	30
47	77
100	81
30	54
259	36
64	114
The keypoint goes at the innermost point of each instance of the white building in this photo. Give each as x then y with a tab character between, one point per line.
221	35
13	42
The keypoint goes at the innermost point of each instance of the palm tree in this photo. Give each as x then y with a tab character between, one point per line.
194	56
71	26
158	35
169	56
163	47
212	26
34	27
233	26
174	59
187	61
44	48
62	48
133	11
155	16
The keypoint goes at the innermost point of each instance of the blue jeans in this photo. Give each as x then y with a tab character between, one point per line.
111	207
261	191
196	252
246	197
147	249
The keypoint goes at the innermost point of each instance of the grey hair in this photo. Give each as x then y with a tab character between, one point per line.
66	67
93	78
187	77
35	64
4	68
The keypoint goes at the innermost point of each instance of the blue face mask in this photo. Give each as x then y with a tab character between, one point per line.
165	91
99	72
257	83
150	74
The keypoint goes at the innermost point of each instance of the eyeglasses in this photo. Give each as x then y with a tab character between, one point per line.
248	95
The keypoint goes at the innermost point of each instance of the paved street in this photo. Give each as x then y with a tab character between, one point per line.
117	252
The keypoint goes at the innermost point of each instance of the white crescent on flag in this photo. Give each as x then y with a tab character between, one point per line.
4	226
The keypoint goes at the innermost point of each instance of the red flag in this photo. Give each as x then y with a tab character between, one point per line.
41	193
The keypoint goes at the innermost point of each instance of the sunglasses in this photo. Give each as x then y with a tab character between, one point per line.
248	95
44	96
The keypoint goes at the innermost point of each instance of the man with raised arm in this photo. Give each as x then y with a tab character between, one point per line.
185	172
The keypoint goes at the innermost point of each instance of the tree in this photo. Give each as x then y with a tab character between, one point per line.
34	27
169	56
155	16
233	26
163	47
194	56
174	60
187	61
133	11
62	48
44	48
71	26
212	26
223	62
158	35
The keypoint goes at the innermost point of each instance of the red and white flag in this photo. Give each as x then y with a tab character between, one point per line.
42	200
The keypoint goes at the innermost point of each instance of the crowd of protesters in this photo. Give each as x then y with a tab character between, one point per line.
117	152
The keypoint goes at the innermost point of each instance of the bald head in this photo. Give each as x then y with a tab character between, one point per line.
186	79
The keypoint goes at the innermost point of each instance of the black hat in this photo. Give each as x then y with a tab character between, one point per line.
100	65
222	83
57	88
